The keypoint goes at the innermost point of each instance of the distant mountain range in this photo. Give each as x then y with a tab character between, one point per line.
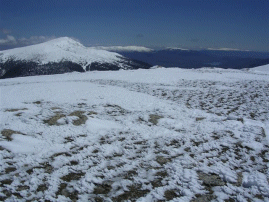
64	54
61	55
200	58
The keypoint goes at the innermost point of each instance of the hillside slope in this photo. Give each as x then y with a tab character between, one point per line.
144	135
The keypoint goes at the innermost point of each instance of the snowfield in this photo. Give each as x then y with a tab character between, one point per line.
138	135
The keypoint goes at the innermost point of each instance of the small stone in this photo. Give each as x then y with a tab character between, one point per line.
37	102
203	198
54	120
161	160
103	188
22	187
92	113
154	118
72	176
81	118
199	118
42	187
170	194
7	133
10	169
211	179
7	181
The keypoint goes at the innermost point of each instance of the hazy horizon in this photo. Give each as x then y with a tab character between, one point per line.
195	24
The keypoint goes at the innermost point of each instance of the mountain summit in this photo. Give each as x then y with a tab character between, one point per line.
59	56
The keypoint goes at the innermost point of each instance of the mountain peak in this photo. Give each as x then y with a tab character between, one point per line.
64	42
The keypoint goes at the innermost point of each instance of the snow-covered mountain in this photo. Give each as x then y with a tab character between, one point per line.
59	56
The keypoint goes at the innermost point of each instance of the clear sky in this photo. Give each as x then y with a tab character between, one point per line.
237	24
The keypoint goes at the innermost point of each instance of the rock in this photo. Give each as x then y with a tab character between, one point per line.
7	133
81	118
171	194
161	160
54	120
203	198
153	118
103	188
211	180
199	118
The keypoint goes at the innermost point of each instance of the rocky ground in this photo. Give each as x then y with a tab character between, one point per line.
114	138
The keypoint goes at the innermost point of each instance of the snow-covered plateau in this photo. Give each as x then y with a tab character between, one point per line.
136	135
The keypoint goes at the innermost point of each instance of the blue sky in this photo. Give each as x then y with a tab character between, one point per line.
194	24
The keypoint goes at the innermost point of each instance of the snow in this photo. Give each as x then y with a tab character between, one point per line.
226	49
147	136
266	129
96	125
176	48
22	144
125	48
255	179
59	49
263	68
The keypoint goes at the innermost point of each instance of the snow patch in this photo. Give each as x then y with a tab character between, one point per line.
263	68
22	144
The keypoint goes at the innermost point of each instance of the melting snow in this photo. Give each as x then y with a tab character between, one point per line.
144	135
